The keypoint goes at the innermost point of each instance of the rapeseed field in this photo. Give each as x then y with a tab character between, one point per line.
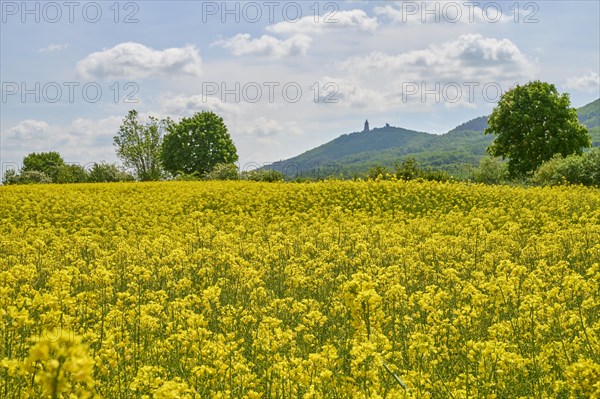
323	290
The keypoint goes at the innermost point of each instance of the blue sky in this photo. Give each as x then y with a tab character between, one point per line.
285	76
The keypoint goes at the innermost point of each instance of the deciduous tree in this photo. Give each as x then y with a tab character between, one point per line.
197	144
139	145
533	122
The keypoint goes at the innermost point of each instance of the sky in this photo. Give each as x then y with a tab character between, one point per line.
284	76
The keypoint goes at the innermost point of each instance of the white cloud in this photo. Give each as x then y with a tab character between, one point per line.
351	93
589	82
471	57
259	133
263	127
298	31
180	105
429	12
406	96
461	73
29	129
134	60
82	140
260	137
266	45
54	47
342	20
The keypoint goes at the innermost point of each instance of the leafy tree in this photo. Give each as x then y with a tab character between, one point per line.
533	122
71	174
595	134
194	176
10	177
197	144
27	177
264	175
44	162
376	171
490	171
408	169
574	169
106	173
223	171
139	145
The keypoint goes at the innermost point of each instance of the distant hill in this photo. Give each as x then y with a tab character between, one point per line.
589	115
474	125
456	151
595	133
378	139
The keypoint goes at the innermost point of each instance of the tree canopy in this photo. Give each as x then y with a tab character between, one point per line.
139	145
44	162
197	144
531	124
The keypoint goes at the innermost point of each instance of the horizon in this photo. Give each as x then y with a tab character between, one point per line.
285	76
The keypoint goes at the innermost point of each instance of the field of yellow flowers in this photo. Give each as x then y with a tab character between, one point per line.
320	290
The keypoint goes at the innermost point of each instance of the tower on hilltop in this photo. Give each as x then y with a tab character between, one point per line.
366	129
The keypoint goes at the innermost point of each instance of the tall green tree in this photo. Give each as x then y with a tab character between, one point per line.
71	174
139	145
532	122
48	163
197	144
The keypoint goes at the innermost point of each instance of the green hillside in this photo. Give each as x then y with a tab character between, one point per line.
457	151
589	114
595	133
347	146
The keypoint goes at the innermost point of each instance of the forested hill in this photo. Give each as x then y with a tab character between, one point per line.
456	150
589	115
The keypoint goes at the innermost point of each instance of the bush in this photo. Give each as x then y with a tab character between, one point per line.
591	167
302	179
31	177
574	169
43	167
223	171
99	173
48	163
437	175
491	171
107	173
263	175
547	173
410	170
378	172
71	174
10	177
182	176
